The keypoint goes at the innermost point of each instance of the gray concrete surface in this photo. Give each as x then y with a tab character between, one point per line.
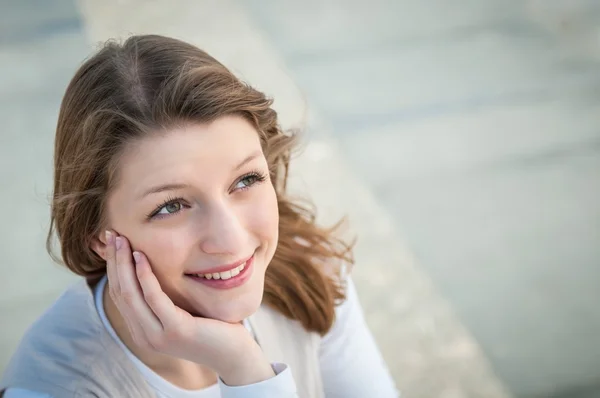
476	127
461	138
41	45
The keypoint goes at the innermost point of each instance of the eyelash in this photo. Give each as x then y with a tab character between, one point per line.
257	177
157	209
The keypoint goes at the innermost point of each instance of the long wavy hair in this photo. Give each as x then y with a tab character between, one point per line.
125	91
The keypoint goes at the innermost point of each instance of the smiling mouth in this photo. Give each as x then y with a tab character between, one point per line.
231	278
223	275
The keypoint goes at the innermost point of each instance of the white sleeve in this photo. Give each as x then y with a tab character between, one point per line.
351	364
21	393
282	385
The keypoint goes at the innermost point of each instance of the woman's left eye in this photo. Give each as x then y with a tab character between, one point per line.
248	181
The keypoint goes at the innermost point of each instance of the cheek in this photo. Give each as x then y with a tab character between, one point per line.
263	218
165	248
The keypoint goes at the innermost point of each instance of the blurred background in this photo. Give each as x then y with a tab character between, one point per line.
462	138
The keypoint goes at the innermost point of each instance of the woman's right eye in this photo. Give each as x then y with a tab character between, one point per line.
170	207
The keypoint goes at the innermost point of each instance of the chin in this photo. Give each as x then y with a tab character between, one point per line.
235	311
235	314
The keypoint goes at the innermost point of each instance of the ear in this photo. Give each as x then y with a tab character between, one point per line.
98	245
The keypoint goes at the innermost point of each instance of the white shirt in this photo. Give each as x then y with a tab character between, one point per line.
351	365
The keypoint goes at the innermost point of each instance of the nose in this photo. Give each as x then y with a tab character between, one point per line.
223	231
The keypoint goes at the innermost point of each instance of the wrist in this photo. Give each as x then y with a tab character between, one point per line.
248	367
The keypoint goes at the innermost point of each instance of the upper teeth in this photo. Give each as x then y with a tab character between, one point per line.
224	275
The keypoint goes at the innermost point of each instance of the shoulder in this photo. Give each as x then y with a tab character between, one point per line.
22	393
71	318
351	304
273	329
349	319
62	344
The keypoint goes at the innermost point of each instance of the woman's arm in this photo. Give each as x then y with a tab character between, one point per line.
280	386
351	364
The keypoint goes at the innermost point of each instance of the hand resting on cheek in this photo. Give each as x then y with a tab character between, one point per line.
156	323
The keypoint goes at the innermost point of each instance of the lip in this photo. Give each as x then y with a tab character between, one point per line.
230	283
222	268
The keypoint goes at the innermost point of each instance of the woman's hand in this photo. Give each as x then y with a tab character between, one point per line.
156	323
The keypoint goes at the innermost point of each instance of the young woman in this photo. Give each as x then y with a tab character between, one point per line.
202	278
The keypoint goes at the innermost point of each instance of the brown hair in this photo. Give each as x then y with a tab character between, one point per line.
153	82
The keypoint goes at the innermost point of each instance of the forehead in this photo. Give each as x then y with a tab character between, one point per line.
190	151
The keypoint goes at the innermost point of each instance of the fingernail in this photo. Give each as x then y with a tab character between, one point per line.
119	242
109	237
137	257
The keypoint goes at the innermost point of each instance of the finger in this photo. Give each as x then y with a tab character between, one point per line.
115	289
157	299
111	271
132	304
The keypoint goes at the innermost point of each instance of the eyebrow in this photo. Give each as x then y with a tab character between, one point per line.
163	188
248	159
172	187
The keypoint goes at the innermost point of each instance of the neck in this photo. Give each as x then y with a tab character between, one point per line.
180	372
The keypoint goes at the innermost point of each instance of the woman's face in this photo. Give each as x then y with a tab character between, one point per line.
198	200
